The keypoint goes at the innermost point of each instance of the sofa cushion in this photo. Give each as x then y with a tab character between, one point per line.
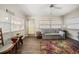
50	30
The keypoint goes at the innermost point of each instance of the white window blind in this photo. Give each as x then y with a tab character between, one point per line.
10	23
4	21
54	23
17	24
72	23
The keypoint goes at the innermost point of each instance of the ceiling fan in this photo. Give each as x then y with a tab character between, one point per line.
54	6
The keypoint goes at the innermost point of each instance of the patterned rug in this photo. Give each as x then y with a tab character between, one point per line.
58	47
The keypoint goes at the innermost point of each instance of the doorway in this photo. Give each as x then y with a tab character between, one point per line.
31	27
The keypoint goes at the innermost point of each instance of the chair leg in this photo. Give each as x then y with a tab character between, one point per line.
21	41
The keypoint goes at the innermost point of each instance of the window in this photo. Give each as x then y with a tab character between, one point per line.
5	27
56	23
44	26
4	22
44	22
72	23
10	23
56	26
17	24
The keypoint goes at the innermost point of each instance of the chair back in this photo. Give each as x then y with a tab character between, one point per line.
1	37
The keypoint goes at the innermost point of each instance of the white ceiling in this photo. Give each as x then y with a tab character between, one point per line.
44	9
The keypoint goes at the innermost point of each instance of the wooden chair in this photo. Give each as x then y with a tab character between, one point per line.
1	37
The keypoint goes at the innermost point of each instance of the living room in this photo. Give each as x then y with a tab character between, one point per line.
42	28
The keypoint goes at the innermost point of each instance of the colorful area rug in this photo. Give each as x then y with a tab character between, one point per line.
58	47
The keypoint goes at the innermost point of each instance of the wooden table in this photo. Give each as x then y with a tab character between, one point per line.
11	47
6	48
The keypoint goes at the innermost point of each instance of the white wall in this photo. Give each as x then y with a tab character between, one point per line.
69	18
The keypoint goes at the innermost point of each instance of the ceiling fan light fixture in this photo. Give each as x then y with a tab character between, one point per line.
51	5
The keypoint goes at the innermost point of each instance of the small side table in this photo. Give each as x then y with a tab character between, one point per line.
38	35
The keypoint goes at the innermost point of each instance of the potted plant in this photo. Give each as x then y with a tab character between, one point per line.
18	34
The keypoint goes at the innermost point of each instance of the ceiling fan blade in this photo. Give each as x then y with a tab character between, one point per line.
57	7
54	6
